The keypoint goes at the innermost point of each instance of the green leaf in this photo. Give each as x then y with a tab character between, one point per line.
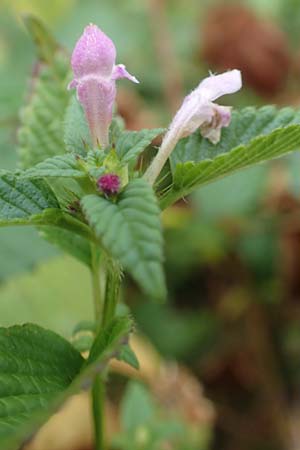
116	128
32	202
131	144
77	246
117	331
77	137
130	230
44	41
39	370
137	408
36	365
65	166
128	356
253	136
41	132
22	200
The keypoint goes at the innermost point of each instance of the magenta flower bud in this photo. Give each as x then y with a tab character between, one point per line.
109	184
95	75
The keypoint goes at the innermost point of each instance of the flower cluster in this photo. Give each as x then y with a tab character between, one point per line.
95	75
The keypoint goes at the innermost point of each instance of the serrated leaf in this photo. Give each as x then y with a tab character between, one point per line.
22	199
36	366
39	370
77	137
130	144
130	230
41	131
254	136
32	202
64	166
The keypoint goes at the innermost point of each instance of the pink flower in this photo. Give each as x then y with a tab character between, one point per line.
109	183
198	111
95	75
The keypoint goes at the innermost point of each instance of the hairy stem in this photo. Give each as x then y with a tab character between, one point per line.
104	313
97	294
111	293
98	388
98	408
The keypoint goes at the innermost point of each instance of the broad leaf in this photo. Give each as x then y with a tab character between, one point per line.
36	366
65	166
131	144
253	136
20	200
77	137
39	370
130	230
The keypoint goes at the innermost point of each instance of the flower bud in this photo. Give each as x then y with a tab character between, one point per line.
95	75
109	184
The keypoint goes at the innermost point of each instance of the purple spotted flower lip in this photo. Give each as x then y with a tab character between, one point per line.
109	184
95	75
198	110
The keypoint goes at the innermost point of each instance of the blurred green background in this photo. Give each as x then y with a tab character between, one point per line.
232	248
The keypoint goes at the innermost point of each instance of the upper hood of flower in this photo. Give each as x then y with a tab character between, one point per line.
94	54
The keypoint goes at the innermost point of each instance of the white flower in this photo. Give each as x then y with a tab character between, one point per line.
198	111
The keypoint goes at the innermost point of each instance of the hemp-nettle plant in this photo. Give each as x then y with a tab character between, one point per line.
81	182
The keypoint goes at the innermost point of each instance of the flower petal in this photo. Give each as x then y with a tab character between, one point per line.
120	71
221	118
215	86
94	54
97	98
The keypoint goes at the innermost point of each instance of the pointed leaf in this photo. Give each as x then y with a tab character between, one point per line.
130	230
129	357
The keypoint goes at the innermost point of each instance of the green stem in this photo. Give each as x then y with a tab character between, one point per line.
97	294
103	314
112	292
98	388
98	407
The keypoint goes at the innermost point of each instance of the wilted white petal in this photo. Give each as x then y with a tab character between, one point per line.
216	86
198	111
221	118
